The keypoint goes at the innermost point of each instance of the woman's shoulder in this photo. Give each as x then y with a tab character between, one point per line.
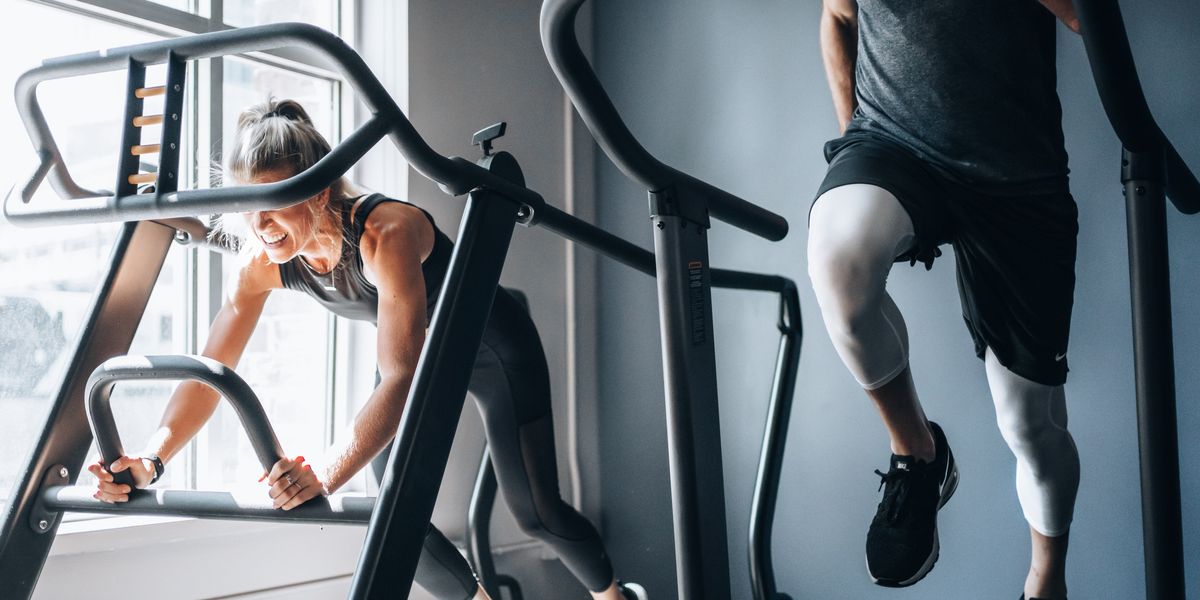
392	224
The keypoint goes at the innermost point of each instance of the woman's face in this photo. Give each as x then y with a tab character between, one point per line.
287	232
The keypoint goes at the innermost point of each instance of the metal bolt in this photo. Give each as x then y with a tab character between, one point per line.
63	472
523	212
170	176
1141	189
174	116
177	88
661	225
43	525
172	145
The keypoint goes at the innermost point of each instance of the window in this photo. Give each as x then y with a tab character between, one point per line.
49	275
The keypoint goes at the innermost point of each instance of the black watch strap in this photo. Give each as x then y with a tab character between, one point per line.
158	467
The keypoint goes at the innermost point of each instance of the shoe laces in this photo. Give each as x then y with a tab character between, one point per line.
896	492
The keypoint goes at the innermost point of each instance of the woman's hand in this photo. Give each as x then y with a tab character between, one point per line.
109	491
293	483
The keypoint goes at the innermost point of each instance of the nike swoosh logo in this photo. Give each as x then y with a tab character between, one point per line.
1059	357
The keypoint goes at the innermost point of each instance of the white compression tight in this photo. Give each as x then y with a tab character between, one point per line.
855	234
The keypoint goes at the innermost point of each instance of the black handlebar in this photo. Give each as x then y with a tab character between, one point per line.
597	110
79	205
1107	44
170	368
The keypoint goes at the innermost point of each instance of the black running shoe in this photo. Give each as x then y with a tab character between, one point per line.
633	591
902	544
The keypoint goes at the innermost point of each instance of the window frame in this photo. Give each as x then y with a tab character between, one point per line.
202	271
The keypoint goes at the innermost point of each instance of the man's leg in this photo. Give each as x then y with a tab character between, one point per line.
855	234
1033	420
856	231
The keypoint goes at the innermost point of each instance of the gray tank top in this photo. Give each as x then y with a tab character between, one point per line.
345	290
969	85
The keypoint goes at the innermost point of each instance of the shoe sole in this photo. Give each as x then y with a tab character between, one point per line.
638	591
949	486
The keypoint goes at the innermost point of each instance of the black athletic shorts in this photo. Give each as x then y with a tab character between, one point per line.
1015	254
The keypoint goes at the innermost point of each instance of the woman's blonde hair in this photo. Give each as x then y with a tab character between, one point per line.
274	136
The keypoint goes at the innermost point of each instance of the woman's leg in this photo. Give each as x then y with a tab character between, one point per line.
1033	420
511	383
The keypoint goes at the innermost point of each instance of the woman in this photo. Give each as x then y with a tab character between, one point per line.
373	258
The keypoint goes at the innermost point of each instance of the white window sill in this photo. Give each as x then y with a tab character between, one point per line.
184	558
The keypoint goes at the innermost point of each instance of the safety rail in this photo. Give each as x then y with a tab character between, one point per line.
1151	171
1107	42
100	386
601	116
76	204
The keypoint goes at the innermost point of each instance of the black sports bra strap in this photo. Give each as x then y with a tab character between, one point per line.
367	205
364	209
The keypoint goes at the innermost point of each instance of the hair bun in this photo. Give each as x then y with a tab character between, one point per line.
288	109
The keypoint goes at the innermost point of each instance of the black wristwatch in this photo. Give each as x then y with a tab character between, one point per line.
158	467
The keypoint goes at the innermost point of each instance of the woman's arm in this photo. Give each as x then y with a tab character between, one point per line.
839	49
396	237
193	403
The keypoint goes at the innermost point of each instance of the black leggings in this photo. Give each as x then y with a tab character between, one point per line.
511	385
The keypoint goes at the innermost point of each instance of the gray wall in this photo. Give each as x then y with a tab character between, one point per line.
735	93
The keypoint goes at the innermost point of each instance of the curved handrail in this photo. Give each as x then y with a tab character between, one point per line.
602	119
1107	45
78	205
98	394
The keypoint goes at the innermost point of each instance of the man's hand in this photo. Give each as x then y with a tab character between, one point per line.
1065	11
293	483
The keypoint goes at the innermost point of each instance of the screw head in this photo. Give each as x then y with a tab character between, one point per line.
43	525
661	225
172	145
63	472
177	87
174	116
1141	189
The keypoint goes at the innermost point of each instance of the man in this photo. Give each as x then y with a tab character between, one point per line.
952	134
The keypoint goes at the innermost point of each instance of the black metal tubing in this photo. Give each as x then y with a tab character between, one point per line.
78	205
418	460
766	487
339	509
1107	44
635	257
770	464
171	368
1154	370
1152	170
479	522
597	110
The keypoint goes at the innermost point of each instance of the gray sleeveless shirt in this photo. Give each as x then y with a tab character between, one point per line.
968	85
345	290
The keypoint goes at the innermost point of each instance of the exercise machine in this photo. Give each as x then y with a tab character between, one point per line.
680	210
497	200
1151	171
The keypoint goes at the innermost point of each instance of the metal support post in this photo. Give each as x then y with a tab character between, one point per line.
1154	368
